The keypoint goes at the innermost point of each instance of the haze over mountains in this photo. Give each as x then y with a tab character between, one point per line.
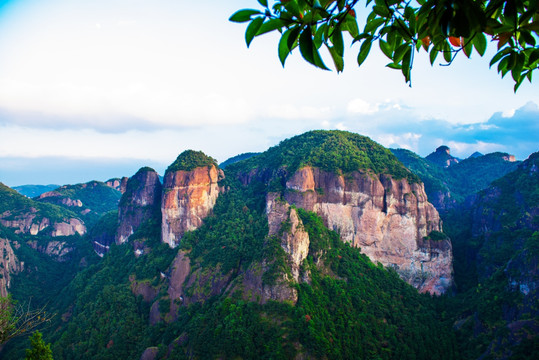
325	246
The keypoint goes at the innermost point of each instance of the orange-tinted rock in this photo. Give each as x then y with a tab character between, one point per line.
387	218
188	197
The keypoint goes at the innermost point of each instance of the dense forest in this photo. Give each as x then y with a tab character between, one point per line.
341	306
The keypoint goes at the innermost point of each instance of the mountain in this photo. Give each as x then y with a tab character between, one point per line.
237	158
496	239
34	190
89	201
323	246
448	186
241	262
442	157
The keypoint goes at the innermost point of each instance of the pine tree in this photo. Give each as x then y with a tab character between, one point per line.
38	349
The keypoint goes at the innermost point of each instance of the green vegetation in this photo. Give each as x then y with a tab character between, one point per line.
38	349
190	159
333	151
95	196
496	266
459	180
401	28
237	158
14	205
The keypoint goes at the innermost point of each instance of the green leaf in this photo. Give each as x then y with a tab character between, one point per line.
264	3
373	25
480	43
287	43
350	24
394	66
386	48
534	56
527	37
270	25
399	53
243	15
432	56
337	59
252	29
308	50
364	51
338	42
407	64
499	55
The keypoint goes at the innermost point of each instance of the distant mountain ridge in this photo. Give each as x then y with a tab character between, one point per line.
446	186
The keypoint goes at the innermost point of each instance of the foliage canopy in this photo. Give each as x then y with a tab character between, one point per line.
402	28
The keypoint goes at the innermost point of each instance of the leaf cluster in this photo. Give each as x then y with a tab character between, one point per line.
402	28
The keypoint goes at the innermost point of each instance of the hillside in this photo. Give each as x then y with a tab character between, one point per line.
496	241
34	190
89	201
322	247
447	186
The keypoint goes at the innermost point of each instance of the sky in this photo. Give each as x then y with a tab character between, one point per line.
91	90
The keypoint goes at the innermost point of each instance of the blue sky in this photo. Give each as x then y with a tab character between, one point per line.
97	89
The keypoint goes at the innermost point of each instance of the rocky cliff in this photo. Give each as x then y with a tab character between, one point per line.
362	192
30	223
119	184
9	265
140	202
389	219
190	190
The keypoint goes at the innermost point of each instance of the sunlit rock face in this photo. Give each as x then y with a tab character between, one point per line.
9	265
389	219
140	202
188	197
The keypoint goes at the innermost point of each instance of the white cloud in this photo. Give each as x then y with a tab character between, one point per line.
360	106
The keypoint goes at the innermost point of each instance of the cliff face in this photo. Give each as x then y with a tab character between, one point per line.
28	223
387	218
140	202
118	184
9	265
188	197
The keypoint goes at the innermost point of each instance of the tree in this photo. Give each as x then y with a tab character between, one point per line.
402	28
17	319
38	349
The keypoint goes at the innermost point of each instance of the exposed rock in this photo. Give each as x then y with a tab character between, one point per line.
118	184
59	250
188	197
64	200
294	239
72	227
25	224
149	354
9	265
143	288
140	202
387	218
179	272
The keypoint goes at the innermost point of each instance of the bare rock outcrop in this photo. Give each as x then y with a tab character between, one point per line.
188	197
140	202
9	265
118	184
387	218
283	220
